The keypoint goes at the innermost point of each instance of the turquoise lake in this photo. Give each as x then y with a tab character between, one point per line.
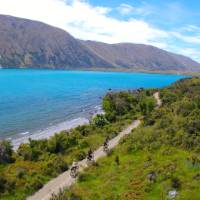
32	100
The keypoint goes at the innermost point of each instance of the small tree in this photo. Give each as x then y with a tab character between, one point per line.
100	121
6	152
3	182
25	151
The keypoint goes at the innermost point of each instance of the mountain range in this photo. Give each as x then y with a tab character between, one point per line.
31	44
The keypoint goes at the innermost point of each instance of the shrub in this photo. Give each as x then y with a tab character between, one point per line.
25	151
84	130
21	172
36	183
61	164
6	152
55	166
100	121
6	185
3	182
80	155
119	104
60	142
176	183
84	144
147	104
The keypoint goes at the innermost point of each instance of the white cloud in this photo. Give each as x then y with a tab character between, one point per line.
143	10
83	20
189	39
191	29
125	9
88	22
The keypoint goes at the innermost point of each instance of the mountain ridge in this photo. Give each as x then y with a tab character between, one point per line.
26	43
128	48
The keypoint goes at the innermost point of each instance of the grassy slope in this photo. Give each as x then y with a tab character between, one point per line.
168	144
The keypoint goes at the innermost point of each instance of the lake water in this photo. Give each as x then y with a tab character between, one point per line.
33	100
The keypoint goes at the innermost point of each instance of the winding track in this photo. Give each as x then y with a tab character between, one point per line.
158	100
65	180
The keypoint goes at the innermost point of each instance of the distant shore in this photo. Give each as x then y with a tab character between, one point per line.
136	70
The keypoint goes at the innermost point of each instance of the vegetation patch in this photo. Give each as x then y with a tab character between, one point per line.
159	160
25	171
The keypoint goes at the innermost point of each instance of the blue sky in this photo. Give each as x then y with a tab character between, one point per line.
173	25
181	16
164	13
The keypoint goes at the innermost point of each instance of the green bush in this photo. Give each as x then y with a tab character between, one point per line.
61	142
25	151
36	183
21	172
3	182
6	152
80	155
6	184
100	121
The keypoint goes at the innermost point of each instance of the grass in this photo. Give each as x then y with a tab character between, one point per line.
128	180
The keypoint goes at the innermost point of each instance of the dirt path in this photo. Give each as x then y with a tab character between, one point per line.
158	100
65	180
